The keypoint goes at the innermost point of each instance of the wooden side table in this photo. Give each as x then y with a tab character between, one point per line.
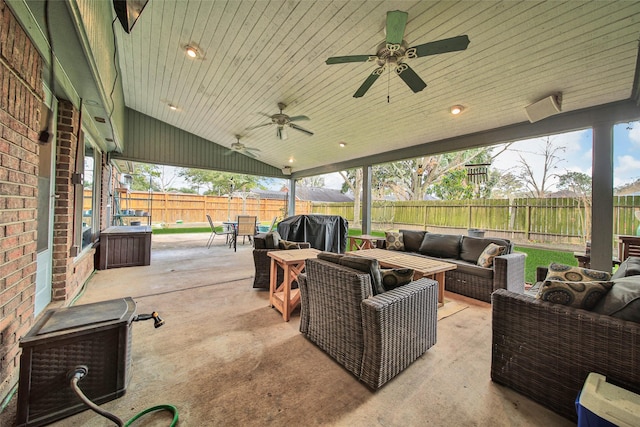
281	297
366	242
584	260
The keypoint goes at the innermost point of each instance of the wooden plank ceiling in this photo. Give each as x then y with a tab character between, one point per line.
258	53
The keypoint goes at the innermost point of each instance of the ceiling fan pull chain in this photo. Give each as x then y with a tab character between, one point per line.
389	86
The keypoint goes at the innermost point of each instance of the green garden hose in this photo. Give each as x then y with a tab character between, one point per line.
81	371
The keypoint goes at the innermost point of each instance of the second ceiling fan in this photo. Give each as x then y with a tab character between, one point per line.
393	52
282	121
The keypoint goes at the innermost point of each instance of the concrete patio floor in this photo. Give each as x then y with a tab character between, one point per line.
225	358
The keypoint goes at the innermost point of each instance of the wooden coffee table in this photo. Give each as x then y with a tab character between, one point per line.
424	267
292	261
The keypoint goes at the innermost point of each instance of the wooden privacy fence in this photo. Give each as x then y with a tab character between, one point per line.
172	208
561	220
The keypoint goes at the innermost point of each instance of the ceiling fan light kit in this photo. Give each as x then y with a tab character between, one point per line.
392	53
544	108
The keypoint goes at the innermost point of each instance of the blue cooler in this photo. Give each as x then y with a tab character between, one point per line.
601	404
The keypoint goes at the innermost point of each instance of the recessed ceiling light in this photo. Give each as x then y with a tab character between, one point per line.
343	144
291	160
172	107
456	109
192	52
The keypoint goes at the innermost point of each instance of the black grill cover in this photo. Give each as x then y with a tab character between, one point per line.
322	232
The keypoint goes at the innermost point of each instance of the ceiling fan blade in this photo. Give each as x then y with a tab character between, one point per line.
259	126
257	150
229	152
441	46
346	59
249	154
410	77
298	118
367	83
396	23
296	127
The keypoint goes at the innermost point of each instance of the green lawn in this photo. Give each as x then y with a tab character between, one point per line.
543	257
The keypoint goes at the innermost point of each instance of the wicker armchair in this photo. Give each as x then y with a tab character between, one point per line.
374	338
262	263
545	351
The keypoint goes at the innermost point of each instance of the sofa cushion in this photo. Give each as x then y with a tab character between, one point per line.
367	265
272	240
472	247
412	239
629	267
463	267
623	300
395	277
259	241
441	245
394	241
489	253
330	256
568	273
286	245
583	295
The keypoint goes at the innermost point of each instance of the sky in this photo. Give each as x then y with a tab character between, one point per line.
576	156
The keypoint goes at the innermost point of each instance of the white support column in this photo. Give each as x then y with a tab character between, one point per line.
366	199
602	197
291	208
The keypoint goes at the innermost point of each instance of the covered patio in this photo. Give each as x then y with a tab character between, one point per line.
224	357
84	96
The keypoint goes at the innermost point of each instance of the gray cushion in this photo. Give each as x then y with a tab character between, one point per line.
629	267
473	269
412	239
472	247
441	245
367	265
272	240
330	256
623	300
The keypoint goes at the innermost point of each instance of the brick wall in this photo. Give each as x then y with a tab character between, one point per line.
21	96
69	272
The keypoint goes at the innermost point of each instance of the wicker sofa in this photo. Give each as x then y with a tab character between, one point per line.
469	279
263	244
546	351
373	337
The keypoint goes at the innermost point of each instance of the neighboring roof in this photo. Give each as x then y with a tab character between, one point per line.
316	194
313	194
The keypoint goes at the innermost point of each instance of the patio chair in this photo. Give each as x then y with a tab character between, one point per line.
246	228
227	233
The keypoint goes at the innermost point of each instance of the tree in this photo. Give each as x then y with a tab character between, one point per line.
538	187
313	181
219	183
353	181
579	184
153	177
509	186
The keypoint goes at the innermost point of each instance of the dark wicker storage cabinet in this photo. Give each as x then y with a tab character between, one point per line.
124	246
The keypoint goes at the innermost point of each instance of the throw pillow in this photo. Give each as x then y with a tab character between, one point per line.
394	277
412	239
489	253
441	245
367	265
583	295
394	241
272	240
575	274
286	245
623	300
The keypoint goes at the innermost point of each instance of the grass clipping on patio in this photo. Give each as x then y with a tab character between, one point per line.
450	308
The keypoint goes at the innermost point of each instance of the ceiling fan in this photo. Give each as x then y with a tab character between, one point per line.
393	52
283	122
242	149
